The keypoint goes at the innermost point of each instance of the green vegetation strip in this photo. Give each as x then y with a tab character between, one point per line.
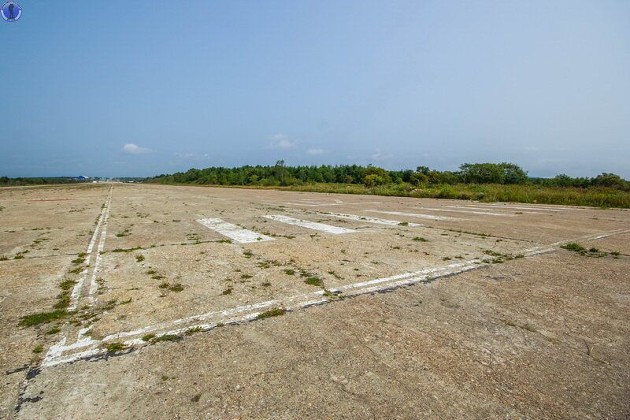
42	318
591	252
488	182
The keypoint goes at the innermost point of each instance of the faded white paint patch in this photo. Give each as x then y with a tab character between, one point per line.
419	215
335	230
488	213
543	207
374	220
490	208
313	205
234	232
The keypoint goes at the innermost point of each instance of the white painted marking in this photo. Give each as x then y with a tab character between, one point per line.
313	205
421	216
194	318
99	257
468	211
543	207
309	225
487	208
374	220
73	358
102	219
234	232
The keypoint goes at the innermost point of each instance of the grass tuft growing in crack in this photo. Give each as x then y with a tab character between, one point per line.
271	313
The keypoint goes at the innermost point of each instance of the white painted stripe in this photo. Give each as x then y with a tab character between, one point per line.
99	257
313	205
374	220
543	207
421	216
194	318
234	232
490	208
76	291
309	225
468	211
73	358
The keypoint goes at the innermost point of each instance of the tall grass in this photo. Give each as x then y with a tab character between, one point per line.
592	196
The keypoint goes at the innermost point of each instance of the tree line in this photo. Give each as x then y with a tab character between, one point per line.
6	181
372	176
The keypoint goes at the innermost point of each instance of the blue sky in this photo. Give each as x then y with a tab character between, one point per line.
141	88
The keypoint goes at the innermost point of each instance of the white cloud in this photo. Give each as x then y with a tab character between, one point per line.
280	141
378	155
315	151
193	156
134	149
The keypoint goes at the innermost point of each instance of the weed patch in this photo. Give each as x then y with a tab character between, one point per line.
114	347
332	295
42	318
78	260
591	252
176	287
575	247
166	337
193	330
67	284
126	249
53	330
314	281
271	313
124	233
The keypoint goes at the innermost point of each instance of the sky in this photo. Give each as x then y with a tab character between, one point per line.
141	88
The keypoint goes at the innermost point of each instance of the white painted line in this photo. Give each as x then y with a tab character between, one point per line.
374	220
309	225
421	216
99	257
313	205
468	211
194	318
490	208
234	232
76	291
543	207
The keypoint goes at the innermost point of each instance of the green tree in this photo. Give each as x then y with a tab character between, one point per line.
381	176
